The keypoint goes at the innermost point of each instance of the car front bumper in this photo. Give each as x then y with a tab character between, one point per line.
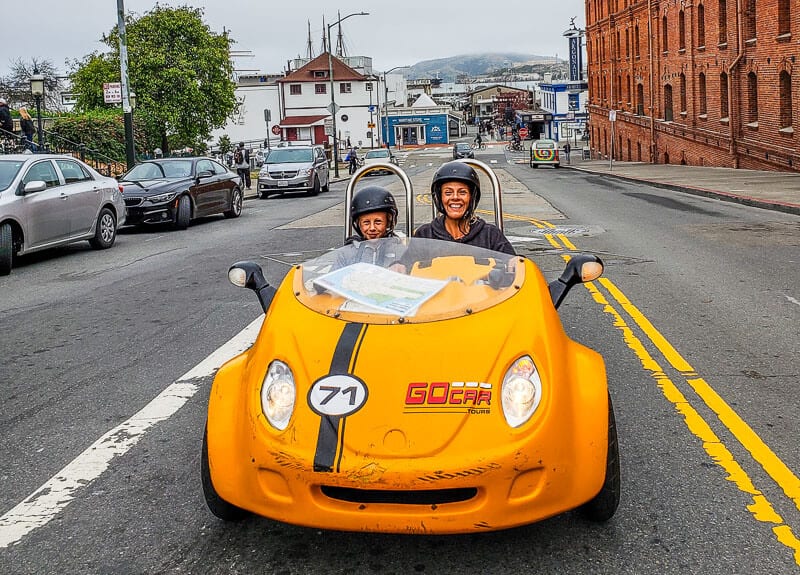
146	213
300	183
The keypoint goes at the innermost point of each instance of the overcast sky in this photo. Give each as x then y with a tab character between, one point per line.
396	33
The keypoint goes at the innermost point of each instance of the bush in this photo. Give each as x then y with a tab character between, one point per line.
100	130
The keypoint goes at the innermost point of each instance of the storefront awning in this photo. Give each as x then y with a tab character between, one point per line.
302	121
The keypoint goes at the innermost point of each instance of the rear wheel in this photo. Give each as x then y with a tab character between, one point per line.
605	503
236	204
315	189
216	504
184	215
105	230
6	249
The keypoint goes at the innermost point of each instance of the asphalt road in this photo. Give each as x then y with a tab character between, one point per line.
697	318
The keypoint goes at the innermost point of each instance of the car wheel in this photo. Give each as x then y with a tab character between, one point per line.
184	215
6	249
216	504
236	204
605	503
263	195
105	230
315	190
327	186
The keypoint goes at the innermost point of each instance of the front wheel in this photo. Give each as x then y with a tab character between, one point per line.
6	249
216	504
315	189
105	230
184	215
236	204
603	506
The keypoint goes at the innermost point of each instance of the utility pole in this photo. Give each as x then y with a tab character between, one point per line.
130	152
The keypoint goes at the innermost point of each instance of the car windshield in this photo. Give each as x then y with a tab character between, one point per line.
171	170
462	146
289	156
8	171
418	280
377	154
545	145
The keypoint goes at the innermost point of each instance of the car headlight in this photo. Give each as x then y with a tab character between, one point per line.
521	391
307	172
278	394
263	174
161	198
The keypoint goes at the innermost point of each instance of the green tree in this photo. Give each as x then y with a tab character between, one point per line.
179	69
225	144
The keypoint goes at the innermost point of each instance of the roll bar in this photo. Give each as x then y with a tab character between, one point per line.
363	171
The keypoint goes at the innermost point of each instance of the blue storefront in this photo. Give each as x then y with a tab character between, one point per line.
416	129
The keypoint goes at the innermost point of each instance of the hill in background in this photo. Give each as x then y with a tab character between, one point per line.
448	69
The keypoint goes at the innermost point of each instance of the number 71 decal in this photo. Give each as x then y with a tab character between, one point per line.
337	395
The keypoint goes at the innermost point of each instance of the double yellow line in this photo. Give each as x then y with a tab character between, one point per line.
761	509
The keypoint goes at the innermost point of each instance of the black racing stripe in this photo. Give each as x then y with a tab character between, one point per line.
329	433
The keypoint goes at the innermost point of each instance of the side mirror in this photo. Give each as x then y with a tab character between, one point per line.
34	186
249	275
580	268
204	174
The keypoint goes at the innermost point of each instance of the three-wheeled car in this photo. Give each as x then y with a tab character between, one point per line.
434	391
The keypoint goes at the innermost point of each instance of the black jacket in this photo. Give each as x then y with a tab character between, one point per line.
5	119
481	234
27	127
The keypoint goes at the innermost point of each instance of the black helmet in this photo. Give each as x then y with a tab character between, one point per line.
461	172
373	199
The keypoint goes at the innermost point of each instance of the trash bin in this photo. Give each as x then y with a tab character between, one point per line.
586	154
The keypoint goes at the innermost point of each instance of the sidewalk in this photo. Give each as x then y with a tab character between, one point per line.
778	191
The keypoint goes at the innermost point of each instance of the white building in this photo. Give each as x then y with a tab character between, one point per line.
255	94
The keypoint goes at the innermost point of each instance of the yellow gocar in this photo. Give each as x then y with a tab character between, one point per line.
434	391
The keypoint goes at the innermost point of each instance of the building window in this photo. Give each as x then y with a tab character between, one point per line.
345	88
786	99
784	17
723	95
701	81
320	88
640	99
723	22
681	31
664	34
636	41
295	89
627	43
628	93
320	73
668	103
683	93
750	20
701	26
752	98
616	48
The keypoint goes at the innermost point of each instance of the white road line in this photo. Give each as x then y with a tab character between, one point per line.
791	299
51	498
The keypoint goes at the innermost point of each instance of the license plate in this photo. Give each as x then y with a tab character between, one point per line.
283	184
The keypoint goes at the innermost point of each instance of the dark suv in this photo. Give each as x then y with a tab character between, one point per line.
294	169
462	150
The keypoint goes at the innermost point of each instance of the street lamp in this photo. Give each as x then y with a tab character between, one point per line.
386	102
333	108
37	89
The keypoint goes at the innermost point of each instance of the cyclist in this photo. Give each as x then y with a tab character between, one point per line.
478	141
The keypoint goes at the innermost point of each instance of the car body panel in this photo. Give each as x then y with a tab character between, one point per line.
66	210
293	169
211	194
315	471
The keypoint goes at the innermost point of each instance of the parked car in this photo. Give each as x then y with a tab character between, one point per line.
379	155
294	169
178	190
462	150
544	153
49	200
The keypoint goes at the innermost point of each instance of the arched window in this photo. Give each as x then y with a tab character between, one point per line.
786	99
784	16
750	19
636	41
701	25
723	21
752	98
668	114
723	95
664	34
640	99
683	92
701	84
681	31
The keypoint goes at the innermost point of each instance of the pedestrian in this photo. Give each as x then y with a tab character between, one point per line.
241	160
567	150
352	160
6	123
456	191
26	125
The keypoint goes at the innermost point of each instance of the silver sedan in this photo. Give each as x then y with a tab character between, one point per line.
49	200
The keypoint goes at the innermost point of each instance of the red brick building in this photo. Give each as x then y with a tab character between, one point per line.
697	82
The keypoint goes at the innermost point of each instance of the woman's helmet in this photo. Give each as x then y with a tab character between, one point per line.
461	172
373	199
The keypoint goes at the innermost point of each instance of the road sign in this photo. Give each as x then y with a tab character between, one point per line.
371	108
328	126
612	115
370	125
267	115
523	132
333	107
276	129
112	92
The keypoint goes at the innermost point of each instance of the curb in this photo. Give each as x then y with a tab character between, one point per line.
777	206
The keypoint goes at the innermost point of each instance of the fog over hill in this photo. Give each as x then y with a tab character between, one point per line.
471	65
